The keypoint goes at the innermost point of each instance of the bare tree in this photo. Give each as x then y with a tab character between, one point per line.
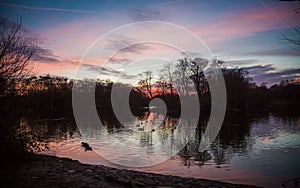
293	41
17	47
167	76
182	72
146	82
198	77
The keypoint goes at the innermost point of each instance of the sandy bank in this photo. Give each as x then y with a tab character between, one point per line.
49	171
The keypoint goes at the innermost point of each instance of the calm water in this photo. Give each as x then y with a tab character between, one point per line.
260	150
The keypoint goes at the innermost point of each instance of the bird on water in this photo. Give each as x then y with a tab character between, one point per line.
86	146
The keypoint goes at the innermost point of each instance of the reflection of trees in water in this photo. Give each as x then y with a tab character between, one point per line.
146	140
233	138
220	154
57	129
111	125
234	133
287	114
190	154
165	133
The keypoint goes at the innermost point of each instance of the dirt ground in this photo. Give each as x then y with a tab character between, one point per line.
49	171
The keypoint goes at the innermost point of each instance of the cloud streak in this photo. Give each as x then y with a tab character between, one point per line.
146	14
168	3
127	45
259	69
45	56
48	9
107	71
239	63
243	23
267	73
274	52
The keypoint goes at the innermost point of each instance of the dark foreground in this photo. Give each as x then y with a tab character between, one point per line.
49	171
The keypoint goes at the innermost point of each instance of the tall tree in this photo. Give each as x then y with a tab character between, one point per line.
167	76
17	47
146	82
198	77
182	75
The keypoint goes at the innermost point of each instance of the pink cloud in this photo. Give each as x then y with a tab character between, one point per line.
63	68
243	23
73	38
68	42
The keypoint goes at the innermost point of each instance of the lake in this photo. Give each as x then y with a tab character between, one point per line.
261	149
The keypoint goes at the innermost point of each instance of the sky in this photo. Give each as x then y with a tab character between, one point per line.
105	39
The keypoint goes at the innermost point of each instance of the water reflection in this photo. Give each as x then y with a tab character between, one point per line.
261	150
146	141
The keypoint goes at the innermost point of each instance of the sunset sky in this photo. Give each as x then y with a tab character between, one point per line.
242	33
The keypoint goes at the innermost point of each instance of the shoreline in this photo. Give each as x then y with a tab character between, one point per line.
51	171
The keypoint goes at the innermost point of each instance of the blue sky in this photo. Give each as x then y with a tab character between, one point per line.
243	33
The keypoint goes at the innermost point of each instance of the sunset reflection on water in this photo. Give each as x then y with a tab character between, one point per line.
263	152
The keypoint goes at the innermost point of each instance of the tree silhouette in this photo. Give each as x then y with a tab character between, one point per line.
293	41
146	82
167	76
17	47
198	77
